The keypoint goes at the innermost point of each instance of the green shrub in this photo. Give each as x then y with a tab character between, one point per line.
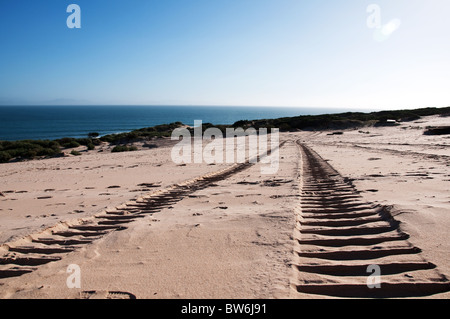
90	147
45	151
83	141
75	153
164	130
30	154
150	145
285	127
96	142
119	149
29	149
5	157
107	138
68	142
124	148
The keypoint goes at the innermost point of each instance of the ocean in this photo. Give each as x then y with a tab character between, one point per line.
53	122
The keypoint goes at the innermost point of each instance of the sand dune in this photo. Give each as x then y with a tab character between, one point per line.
139	226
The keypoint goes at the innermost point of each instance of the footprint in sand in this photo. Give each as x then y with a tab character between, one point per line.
57	204
247	183
102	294
45	197
149	185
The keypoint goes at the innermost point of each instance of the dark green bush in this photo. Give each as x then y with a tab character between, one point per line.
150	145
5	157
439	130
120	148
285	127
164	130
83	141
45	151
124	148
96	142
68	142
65	140
28	149
72	144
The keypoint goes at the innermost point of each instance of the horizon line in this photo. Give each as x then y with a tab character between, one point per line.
205	105
225	105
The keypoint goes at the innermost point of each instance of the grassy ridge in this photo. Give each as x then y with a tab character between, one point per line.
342	120
164	130
29	149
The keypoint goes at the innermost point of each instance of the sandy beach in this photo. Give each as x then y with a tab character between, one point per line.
138	225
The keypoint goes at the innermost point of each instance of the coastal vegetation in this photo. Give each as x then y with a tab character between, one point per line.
123	148
123	142
346	120
158	131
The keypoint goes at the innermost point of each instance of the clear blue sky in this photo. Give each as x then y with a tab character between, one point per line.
318	53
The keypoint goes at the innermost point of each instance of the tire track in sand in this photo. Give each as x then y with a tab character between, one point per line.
25	255
339	235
